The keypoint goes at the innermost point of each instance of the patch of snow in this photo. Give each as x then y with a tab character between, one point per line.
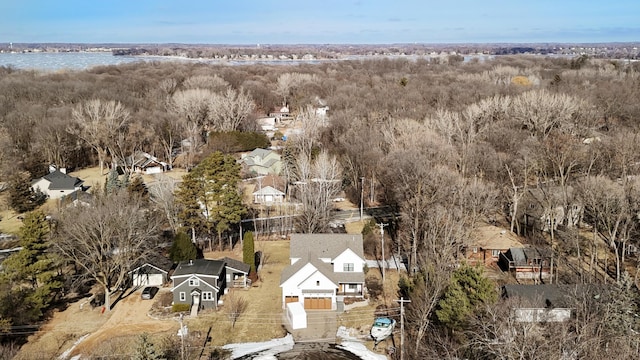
358	349
267	349
65	354
351	344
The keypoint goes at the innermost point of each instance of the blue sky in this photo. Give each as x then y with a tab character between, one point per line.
319	22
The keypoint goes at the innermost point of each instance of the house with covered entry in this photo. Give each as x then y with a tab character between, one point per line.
200	283
324	270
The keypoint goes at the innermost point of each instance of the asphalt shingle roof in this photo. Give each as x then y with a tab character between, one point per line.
325	245
61	181
200	267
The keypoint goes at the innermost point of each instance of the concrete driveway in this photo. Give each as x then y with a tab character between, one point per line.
322	326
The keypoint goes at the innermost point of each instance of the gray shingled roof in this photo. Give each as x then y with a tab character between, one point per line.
543	295
200	266
237	264
324	245
61	181
521	256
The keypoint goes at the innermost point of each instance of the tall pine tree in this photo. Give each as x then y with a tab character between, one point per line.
33	267
210	196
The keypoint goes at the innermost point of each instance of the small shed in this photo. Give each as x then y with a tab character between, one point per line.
296	315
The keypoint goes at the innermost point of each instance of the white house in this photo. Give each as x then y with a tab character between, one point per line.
268	195
57	184
325	268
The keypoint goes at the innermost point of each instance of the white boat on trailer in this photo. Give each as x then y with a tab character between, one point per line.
382	328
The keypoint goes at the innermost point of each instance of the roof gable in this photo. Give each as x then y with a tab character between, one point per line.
325	245
268	190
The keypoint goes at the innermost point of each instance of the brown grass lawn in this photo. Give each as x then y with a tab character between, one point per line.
263	318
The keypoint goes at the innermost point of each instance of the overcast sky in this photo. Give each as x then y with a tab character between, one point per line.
319	22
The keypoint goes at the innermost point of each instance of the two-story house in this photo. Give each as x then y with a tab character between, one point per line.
199	283
324	269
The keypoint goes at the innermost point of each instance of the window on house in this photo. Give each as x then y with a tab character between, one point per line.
352	287
207	296
183	296
194	282
495	253
347	267
318	283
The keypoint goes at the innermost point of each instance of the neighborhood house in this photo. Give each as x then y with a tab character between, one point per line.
57	184
200	283
262	162
324	270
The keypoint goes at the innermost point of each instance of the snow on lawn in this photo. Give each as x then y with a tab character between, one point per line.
355	346
267	349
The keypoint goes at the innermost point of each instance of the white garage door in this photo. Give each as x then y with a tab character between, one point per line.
147	280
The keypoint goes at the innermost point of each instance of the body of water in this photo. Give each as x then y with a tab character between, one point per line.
51	61
62	60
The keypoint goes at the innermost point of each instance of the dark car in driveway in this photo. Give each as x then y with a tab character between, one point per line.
149	292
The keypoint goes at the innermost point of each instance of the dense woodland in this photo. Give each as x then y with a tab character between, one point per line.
448	145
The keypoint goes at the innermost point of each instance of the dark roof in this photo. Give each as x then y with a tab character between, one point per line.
237	265
543	295
200	267
61	181
522	256
325	245
554	295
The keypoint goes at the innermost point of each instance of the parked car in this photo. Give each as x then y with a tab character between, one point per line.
149	292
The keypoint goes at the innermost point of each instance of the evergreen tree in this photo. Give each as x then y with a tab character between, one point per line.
33	268
22	197
112	183
210	197
467	291
182	248
137	187
248	250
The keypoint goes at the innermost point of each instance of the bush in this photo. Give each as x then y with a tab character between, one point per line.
374	286
180	307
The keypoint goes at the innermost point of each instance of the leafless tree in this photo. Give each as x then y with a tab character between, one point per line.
213	83
99	123
107	239
235	305
192	108
609	208
318	181
227	111
162	196
287	83
541	111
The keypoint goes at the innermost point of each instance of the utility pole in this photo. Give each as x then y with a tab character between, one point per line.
402	301
361	196
383	259
182	338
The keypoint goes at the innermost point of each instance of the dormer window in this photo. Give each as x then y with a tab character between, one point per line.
194	282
